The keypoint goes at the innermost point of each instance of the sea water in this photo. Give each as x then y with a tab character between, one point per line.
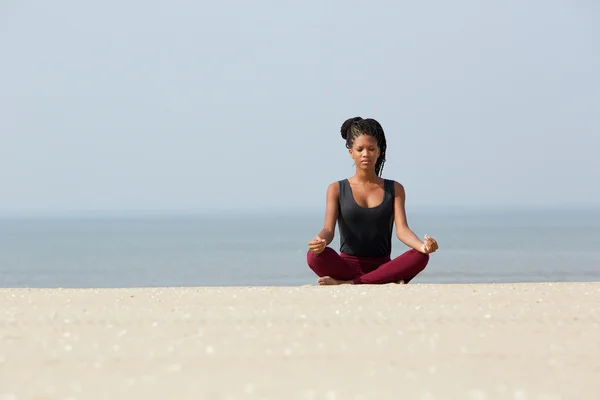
258	248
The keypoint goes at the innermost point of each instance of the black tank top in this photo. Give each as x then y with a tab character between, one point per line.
366	232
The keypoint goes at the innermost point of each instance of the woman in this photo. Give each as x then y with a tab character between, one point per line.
366	208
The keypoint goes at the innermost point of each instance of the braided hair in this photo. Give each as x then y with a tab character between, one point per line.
354	127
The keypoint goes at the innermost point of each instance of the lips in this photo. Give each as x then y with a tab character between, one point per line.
365	161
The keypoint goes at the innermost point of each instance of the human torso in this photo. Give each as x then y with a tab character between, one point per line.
366	218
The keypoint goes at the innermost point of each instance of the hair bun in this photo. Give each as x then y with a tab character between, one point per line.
347	125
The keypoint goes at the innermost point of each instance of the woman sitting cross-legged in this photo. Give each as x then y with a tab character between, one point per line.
366	207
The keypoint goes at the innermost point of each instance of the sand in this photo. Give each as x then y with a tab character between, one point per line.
503	341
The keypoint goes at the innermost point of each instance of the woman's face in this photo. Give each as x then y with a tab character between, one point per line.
365	151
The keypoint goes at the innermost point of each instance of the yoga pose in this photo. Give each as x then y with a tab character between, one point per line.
366	207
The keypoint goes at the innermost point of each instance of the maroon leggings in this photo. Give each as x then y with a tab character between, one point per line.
367	270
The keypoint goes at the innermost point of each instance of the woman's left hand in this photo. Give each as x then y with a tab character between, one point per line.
430	245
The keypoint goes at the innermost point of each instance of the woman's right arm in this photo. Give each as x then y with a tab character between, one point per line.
331	213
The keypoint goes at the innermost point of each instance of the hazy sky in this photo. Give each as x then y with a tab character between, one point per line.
186	105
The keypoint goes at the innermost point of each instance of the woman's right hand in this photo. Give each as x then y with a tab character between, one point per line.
317	245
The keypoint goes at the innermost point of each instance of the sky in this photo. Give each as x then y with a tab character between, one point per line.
194	106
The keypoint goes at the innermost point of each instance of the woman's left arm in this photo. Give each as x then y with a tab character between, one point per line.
403	232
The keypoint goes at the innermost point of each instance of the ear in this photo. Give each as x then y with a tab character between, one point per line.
350	152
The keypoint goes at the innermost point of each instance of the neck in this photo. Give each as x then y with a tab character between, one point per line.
366	175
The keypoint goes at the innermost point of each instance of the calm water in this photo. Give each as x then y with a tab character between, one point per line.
270	250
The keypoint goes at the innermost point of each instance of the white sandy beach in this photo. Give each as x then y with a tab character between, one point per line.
504	341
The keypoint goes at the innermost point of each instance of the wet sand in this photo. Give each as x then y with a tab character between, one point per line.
416	341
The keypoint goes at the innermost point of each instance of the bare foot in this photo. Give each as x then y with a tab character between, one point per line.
327	280
401	282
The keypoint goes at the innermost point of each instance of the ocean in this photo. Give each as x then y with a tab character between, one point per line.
269	248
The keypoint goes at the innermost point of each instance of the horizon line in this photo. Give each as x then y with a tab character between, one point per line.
287	210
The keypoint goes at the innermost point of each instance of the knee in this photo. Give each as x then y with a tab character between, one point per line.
314	261
422	259
312	258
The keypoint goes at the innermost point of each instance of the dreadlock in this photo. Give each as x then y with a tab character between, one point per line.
354	127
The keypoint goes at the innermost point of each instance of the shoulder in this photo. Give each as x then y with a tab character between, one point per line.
398	188
334	188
